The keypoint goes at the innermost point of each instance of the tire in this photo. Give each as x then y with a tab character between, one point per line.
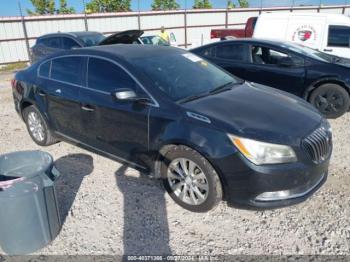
331	100
36	124
204	182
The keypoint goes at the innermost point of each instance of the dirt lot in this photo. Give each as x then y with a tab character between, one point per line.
109	209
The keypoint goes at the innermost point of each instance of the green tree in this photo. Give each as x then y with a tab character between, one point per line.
64	9
165	5
42	7
230	4
202	4
104	6
243	3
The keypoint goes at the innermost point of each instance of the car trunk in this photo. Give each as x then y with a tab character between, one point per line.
125	37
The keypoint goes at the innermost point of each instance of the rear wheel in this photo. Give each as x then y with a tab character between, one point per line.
331	100
190	179
37	127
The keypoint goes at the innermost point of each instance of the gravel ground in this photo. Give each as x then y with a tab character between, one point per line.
109	209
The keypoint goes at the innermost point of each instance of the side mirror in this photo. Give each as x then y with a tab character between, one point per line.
129	95
125	94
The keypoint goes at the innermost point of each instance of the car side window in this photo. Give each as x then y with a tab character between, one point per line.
44	70
231	51
106	76
268	56
69	43
67	69
339	36
207	52
53	42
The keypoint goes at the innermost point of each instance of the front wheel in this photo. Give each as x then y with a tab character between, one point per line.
190	179
331	100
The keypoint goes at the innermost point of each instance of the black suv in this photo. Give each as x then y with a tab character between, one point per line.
206	134
51	43
319	78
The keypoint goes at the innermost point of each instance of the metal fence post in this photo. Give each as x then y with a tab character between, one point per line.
85	17
226	16
185	23
138	15
25	32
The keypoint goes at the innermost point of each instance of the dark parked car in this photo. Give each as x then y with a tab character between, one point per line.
51	43
319	78
167	112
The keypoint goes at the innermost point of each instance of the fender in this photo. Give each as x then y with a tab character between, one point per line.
324	80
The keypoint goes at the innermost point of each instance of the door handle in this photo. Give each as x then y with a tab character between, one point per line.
87	108
41	93
328	50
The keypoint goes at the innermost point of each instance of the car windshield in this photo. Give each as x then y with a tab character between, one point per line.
154	40
183	76
91	39
313	53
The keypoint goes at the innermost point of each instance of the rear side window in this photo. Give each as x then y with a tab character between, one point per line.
53	42
231	52
67	69
44	69
207	52
69	43
106	76
339	36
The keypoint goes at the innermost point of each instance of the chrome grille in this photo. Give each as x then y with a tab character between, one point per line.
318	145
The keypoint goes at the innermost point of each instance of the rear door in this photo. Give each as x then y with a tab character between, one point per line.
276	68
338	41
231	56
63	88
115	127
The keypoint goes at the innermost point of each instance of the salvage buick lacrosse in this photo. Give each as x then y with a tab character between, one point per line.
207	134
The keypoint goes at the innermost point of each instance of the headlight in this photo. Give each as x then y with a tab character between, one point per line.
261	153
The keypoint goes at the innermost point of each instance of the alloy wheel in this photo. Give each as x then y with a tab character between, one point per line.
188	182
36	126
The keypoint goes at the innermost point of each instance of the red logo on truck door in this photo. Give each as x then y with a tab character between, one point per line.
304	33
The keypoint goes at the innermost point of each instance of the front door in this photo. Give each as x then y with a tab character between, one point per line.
115	127
277	69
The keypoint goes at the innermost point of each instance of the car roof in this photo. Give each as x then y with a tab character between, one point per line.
126	52
245	40
73	34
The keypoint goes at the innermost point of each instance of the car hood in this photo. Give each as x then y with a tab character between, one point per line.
258	112
125	37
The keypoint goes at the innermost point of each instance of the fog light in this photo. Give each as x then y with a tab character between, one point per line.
271	196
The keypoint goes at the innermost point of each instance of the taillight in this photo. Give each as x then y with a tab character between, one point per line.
213	34
13	83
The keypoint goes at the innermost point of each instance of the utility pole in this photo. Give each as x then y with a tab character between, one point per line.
25	31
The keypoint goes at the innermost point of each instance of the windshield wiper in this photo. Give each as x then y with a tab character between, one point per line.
224	87
191	98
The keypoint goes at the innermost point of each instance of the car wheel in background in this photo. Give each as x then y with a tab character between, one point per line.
190	179
331	100
37	127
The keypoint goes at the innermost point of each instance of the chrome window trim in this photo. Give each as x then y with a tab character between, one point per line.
154	104
39	67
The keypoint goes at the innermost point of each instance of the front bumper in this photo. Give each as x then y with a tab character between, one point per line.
270	186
